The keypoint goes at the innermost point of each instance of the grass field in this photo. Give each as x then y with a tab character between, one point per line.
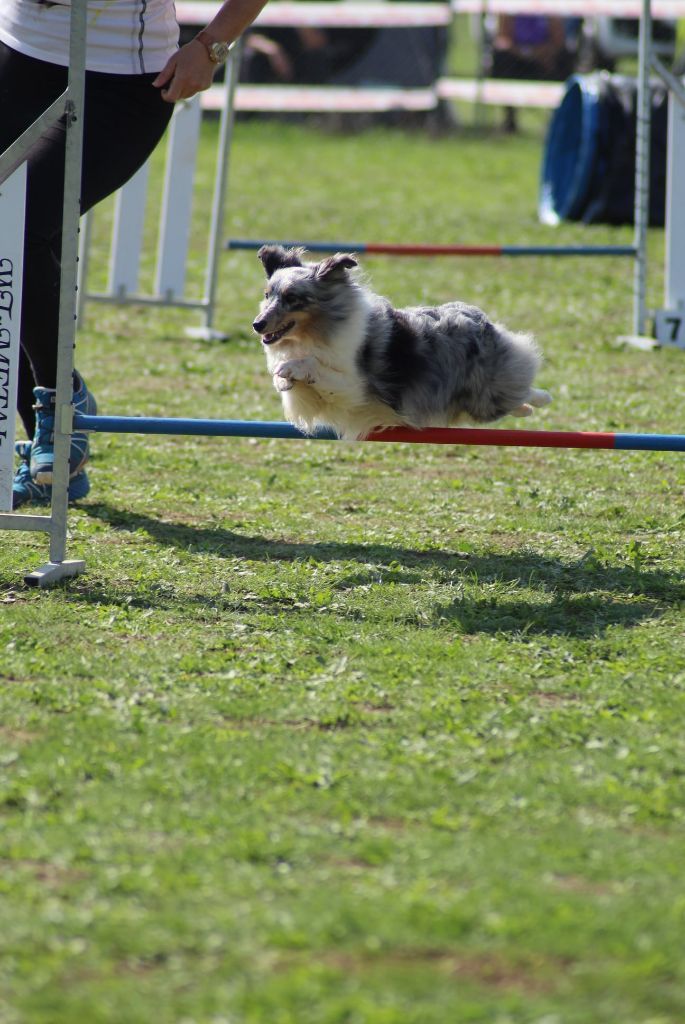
346	734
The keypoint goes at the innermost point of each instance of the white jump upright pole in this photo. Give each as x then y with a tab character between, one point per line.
208	332
58	567
675	204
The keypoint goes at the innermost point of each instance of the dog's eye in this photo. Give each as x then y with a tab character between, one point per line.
294	301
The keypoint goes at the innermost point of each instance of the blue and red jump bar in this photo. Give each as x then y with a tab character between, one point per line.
379	249
434	435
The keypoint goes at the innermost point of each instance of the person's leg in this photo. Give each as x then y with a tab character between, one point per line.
125	117
18	77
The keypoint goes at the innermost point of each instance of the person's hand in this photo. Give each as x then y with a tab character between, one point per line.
186	73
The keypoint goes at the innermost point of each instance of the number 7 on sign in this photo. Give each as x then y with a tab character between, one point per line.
12	204
670	327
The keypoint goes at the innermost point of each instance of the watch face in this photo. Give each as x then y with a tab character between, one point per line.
219	52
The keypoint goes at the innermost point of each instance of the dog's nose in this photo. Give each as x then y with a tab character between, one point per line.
258	325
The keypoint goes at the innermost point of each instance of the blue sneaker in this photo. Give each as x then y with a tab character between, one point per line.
42	448
25	489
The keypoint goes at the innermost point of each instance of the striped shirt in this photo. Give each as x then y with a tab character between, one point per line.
126	37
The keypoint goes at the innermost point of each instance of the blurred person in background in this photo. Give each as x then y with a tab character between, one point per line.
302	56
530	47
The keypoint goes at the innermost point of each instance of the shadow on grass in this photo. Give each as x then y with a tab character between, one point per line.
581	599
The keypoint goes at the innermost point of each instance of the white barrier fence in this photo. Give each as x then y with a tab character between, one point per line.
328	15
294	99
501	92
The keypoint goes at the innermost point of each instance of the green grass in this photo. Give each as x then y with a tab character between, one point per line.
337	734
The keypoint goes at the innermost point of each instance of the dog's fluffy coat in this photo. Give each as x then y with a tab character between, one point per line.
343	357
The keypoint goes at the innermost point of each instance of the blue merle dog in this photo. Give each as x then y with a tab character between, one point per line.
343	357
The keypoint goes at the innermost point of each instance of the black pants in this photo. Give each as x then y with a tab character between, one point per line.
124	119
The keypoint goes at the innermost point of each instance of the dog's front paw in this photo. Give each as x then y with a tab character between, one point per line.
294	370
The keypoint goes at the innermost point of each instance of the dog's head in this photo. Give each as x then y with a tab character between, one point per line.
298	294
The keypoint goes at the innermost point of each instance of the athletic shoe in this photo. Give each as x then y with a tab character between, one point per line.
25	489
42	448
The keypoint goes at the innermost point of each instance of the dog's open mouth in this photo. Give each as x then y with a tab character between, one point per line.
269	339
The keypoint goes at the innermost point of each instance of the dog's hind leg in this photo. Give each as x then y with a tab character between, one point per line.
536	398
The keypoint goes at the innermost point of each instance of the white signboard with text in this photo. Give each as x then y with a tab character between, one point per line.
12	204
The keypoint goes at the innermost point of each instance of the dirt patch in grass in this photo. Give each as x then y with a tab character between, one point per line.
576	883
54	876
13	736
530	976
549	698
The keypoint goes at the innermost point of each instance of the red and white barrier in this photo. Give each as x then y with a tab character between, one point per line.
292	99
328	15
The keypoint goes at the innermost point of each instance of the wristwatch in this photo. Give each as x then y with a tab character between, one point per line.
218	51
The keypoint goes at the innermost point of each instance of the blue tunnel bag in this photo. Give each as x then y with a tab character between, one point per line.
588	169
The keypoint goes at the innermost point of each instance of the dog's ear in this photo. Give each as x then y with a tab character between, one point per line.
338	264
275	257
